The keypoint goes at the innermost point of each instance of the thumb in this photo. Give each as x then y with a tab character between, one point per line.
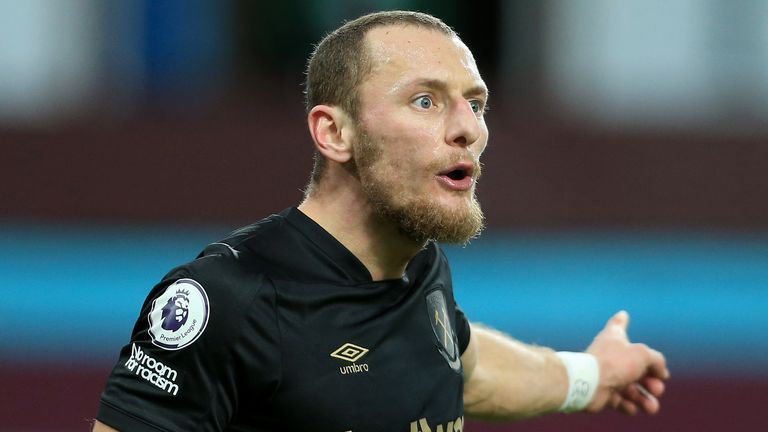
620	320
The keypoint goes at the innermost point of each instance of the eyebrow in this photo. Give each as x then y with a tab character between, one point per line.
441	85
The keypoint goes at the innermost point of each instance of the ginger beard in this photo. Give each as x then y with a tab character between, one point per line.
417	214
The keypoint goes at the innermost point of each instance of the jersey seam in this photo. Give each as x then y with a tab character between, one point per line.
230	353
261	231
279	335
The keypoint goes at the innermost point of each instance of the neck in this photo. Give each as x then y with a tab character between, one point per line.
376	242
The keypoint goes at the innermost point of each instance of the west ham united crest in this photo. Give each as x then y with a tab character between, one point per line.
179	315
448	344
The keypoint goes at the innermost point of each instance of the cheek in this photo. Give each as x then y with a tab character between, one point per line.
402	165
404	148
409	145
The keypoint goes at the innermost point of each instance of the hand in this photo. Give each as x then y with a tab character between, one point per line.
632	375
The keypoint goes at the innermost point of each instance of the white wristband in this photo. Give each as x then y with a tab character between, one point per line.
583	378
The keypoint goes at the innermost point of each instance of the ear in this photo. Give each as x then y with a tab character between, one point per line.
331	130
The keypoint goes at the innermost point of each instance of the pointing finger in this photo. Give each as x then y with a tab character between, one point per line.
620	320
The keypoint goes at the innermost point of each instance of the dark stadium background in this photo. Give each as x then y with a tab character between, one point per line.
627	169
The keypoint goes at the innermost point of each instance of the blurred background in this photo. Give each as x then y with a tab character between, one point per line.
627	169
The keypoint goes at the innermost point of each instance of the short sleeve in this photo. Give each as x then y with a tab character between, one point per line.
462	330
200	343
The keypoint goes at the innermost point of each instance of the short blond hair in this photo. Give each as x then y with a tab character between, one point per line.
340	63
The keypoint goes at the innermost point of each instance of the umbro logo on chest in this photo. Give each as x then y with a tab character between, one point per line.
351	353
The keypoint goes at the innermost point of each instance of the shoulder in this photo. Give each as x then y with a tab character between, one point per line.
225	285
269	229
237	263
276	247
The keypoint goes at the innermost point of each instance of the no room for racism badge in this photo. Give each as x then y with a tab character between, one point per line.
179	315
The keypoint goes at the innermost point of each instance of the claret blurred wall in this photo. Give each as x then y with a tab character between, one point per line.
627	169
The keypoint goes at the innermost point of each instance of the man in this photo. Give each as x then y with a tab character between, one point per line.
339	315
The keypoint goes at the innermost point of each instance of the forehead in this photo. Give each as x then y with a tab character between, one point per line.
402	52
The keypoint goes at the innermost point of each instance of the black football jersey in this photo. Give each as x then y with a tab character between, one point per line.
279	327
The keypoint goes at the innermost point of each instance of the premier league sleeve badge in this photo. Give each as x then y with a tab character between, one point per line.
179	315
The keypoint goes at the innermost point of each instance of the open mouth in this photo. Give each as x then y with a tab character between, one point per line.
458	177
457	174
459	171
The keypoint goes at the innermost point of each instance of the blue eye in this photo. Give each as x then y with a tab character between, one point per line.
477	108
424	102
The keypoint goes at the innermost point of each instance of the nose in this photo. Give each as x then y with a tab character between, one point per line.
464	127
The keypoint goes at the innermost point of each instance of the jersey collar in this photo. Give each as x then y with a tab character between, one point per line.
334	249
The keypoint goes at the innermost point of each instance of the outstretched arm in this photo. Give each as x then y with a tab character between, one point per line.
507	379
